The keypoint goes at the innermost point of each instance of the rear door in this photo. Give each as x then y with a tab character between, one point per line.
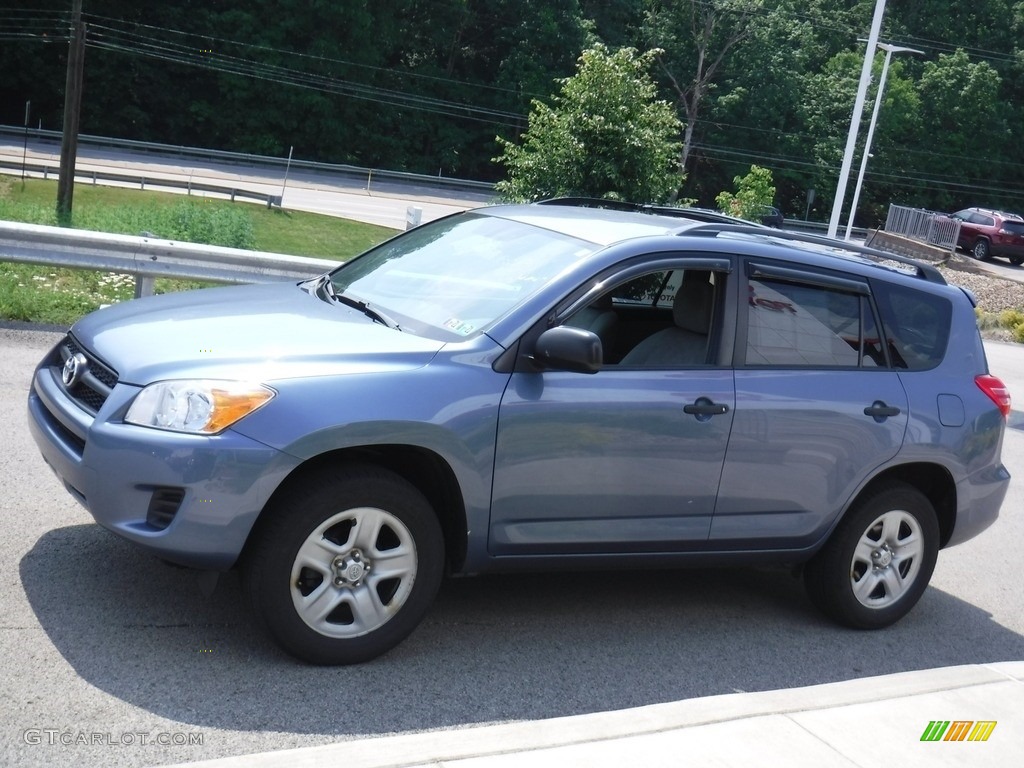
818	407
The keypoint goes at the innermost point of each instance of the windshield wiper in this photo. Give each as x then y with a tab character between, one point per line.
362	306
323	287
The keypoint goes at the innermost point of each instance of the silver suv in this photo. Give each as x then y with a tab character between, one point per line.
533	387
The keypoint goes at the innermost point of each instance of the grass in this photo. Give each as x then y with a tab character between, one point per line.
1010	321
60	296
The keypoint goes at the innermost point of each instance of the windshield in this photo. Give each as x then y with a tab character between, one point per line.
453	277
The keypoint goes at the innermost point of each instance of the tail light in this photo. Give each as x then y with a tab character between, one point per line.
993	387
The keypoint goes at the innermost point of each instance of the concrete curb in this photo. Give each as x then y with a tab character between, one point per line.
816	725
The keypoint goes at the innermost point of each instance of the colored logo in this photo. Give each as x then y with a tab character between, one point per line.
958	730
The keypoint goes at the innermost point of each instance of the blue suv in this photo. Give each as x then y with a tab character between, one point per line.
530	387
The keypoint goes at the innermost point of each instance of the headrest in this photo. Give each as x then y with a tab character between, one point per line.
691	309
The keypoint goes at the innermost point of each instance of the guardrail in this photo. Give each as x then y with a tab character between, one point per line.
94	176
922	225
819	227
369	175
148	258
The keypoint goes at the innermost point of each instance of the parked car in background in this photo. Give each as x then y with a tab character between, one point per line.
537	387
987	233
771	216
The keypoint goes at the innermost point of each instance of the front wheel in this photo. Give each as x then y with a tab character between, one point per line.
879	560
346	565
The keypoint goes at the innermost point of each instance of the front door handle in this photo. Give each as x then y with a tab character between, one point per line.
705	407
879	411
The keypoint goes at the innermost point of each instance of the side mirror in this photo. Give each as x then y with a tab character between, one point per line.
570	349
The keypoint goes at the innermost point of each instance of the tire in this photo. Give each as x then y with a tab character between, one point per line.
879	560
1017	260
981	250
346	565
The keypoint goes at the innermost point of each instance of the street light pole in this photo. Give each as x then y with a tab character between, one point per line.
889	51
858	108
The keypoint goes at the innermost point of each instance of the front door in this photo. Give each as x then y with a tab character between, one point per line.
627	459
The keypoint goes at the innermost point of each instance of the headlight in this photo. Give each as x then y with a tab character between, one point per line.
201	405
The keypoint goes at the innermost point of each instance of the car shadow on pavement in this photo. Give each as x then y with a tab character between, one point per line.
496	648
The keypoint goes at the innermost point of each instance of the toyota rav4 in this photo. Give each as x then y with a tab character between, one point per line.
532	387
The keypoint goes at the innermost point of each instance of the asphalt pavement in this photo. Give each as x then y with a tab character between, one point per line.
110	658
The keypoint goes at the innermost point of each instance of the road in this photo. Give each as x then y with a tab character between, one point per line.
101	642
368	200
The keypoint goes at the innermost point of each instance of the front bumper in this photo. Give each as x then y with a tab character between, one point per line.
114	469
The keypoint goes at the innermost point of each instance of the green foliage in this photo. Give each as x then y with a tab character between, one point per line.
606	135
753	192
425	87
186	220
1011	318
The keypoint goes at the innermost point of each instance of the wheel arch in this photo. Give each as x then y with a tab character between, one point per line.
932	480
426	470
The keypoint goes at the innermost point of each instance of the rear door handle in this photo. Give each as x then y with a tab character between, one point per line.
705	407
879	411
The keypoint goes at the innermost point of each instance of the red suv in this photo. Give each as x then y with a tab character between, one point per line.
986	233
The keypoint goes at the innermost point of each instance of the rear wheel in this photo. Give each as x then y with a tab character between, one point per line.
346	566
1017	260
981	250
879	560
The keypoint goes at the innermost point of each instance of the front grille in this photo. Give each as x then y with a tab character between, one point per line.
93	387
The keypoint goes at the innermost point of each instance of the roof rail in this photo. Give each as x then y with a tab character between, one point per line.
600	202
922	270
679	212
714	226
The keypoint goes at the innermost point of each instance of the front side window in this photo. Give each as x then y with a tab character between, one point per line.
793	324
662	319
457	275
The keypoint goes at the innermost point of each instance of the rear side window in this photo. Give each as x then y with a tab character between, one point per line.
916	325
816	326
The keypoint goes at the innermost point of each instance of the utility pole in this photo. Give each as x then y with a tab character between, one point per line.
72	108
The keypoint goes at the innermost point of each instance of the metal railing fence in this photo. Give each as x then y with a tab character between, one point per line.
925	226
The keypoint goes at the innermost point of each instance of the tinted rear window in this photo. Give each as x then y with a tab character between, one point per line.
1014	227
916	325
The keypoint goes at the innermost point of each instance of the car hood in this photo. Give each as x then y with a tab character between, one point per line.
253	332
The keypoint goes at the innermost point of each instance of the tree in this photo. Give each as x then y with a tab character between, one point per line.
606	135
753	192
971	138
699	35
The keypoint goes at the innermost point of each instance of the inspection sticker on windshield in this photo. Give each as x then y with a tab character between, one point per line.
459	326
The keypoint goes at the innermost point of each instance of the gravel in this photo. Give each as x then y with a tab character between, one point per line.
994	294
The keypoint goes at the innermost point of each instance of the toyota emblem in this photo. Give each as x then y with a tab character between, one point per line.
74	369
